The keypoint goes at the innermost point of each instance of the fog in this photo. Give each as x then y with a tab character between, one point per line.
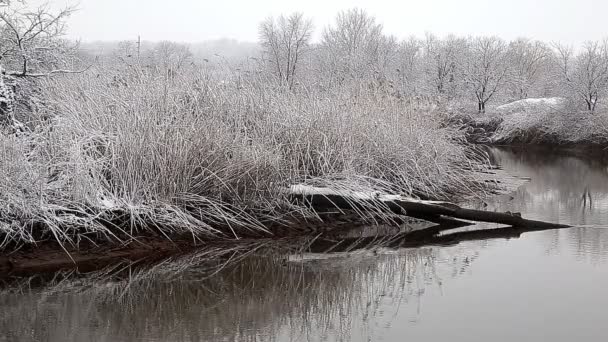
569	21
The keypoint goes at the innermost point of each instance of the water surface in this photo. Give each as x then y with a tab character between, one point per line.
542	286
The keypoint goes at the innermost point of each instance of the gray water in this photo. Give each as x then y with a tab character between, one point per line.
541	286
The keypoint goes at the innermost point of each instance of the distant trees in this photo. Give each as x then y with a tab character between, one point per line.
486	69
585	74
355	47
451	69
528	61
170	56
443	63
285	40
408	66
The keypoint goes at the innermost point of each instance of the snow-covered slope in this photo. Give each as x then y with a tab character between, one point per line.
533	105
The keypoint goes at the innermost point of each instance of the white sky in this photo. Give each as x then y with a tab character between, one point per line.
569	21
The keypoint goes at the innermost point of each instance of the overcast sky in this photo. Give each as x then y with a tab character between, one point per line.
569	21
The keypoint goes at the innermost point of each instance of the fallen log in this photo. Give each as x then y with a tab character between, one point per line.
433	211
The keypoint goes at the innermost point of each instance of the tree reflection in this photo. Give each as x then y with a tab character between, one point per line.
564	189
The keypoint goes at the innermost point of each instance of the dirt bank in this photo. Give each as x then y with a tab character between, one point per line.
51	257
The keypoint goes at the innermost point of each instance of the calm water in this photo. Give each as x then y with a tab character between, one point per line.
542	286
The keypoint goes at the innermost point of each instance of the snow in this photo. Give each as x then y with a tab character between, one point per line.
533	105
308	190
302	189
106	203
546	116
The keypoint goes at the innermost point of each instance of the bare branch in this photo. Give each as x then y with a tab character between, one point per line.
285	40
32	39
48	74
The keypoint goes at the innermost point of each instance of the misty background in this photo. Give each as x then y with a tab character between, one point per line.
232	25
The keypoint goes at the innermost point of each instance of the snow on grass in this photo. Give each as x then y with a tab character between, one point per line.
186	155
547	120
533	105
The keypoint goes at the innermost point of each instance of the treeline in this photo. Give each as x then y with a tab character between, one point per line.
462	73
457	71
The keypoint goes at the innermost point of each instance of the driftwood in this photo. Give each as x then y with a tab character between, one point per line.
434	211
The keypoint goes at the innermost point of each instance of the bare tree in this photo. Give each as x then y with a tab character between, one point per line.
408	66
31	44
170	56
356	47
586	74
443	59
528	61
486	69
285	40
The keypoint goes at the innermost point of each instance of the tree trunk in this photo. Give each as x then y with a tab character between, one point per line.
481	106
433	211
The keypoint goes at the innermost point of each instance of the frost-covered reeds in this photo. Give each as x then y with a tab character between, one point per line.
546	121
121	151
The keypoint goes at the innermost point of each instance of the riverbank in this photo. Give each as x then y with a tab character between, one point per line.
150	246
549	127
114	154
201	157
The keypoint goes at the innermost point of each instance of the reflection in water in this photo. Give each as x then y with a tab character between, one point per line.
570	189
547	285
257	299
562	189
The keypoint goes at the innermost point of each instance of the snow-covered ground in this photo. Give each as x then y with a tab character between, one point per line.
548	120
533	105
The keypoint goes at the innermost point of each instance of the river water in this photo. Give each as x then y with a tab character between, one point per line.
540	286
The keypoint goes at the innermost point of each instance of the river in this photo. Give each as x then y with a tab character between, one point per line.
541	286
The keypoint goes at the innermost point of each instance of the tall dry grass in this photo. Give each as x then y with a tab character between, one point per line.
119	150
547	123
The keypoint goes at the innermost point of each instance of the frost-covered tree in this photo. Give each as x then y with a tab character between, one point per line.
408	66
31	46
170	56
443	60
31	43
285	40
485	69
585	75
355	47
529	62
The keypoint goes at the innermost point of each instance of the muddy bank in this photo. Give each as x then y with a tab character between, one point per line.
51	257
